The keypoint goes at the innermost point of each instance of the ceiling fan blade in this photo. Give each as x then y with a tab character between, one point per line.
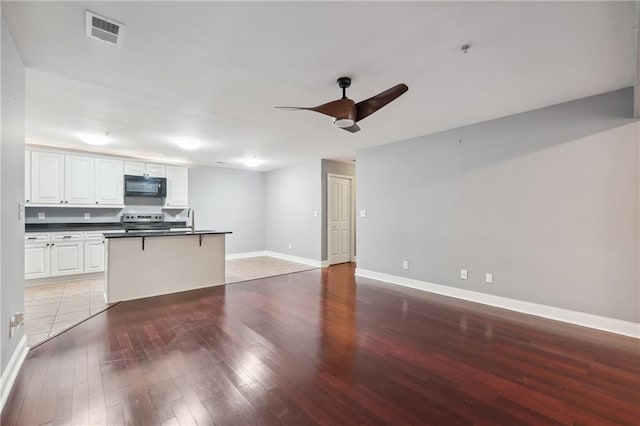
352	129
371	105
342	108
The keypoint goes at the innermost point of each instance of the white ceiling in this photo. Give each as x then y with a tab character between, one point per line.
214	71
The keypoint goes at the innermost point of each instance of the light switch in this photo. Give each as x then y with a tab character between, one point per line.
463	274
363	213
488	278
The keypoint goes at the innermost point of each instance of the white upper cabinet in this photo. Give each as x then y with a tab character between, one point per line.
109	181
47	177
177	186
156	170
79	180
138	168
135	168
70	179
27	176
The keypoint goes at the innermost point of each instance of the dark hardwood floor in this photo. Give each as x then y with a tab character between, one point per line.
321	347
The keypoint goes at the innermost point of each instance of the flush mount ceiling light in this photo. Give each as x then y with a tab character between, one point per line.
252	162
188	144
96	140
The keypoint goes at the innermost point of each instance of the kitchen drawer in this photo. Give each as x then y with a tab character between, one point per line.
66	236
32	237
94	235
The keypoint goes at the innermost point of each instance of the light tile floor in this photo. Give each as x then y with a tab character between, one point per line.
52	308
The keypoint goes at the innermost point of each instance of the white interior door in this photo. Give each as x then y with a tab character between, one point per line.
339	219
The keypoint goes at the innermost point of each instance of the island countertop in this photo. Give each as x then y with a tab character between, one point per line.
148	234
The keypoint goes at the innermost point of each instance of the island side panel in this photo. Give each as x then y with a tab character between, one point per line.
166	265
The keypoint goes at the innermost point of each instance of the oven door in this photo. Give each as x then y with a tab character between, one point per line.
144	186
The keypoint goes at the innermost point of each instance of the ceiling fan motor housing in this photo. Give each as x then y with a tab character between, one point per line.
346	115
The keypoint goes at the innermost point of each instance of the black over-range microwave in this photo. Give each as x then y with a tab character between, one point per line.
145	186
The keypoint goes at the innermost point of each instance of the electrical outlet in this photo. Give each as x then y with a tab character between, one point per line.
488	278
363	213
315	213
405	264
87	216
463	274
41	215
290	246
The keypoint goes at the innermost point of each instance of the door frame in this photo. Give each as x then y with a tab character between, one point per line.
352	219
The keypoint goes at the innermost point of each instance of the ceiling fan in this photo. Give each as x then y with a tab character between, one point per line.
346	113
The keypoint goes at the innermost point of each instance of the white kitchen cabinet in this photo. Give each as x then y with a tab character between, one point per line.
79	180
36	256
94	251
138	168
156	170
135	168
47	177
67	253
27	176
94	256
109	181
177	186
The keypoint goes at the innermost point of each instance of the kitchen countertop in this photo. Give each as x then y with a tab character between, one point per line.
148	234
84	226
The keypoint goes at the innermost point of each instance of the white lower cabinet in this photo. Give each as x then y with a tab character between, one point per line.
93	252
63	253
36	256
94	256
66	258
67	253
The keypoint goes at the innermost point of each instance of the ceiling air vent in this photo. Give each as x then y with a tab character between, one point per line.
104	29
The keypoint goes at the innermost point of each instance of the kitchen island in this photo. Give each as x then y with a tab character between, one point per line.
145	264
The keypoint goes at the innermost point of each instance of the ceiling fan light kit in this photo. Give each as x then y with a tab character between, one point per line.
346	113
343	122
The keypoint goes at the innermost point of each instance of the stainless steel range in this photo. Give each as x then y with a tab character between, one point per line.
145	222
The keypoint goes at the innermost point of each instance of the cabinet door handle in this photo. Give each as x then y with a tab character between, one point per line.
61	201
31	238
66	201
48	244
52	244
66	237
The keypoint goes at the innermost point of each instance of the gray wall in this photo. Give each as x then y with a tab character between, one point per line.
12	193
339	168
292	195
233	200
546	200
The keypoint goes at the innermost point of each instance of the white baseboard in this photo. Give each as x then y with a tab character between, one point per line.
245	255
62	279
303	260
612	325
11	372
